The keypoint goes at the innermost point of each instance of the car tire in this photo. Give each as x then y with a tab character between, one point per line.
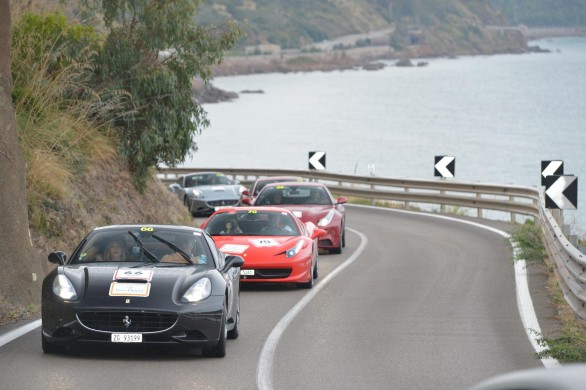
51	347
309	284
235	332
316	268
219	350
343	238
338	249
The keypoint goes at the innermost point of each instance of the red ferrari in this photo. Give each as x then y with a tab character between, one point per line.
276	246
310	202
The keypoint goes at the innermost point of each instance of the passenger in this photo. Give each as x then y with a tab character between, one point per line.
277	198
115	251
231	228
276	224
315	197
188	245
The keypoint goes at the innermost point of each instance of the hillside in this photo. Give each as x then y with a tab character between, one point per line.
545	13
300	24
101	195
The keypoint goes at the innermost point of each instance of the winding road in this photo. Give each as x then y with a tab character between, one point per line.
413	302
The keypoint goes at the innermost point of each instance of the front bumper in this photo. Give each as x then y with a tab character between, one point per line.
276	272
196	325
203	206
331	239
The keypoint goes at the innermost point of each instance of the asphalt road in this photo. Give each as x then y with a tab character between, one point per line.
413	302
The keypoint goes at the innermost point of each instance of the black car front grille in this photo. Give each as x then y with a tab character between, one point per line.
223	202
269	273
137	322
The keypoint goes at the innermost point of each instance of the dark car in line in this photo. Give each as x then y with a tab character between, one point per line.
142	284
247	197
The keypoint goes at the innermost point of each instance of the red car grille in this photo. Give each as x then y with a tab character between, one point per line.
224	202
127	321
269	273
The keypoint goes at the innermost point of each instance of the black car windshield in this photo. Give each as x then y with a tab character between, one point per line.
150	245
252	223
293	195
207	179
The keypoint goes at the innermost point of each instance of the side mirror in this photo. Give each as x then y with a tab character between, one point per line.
233	261
341	200
57	257
317	232
246	201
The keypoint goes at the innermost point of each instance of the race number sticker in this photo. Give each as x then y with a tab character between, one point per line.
133	274
265	242
298	214
234	248
130	289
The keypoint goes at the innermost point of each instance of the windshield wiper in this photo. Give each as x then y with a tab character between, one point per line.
174	247
154	258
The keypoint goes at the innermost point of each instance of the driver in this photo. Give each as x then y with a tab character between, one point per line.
188	245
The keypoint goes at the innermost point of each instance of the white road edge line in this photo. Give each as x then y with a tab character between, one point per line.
264	370
264	373
524	301
16	333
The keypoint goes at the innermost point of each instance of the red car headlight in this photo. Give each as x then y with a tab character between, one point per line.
325	221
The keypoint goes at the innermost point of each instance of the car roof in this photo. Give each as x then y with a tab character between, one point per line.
253	208
295	184
297	179
154	226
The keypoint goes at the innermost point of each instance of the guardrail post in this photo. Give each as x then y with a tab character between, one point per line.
513	215
442	205
479	211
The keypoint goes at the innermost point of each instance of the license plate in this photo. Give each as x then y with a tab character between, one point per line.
126	338
247	272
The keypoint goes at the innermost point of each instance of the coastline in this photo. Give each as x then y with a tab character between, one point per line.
367	58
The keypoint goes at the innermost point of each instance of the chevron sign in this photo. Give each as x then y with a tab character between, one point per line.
551	167
445	166
317	160
561	192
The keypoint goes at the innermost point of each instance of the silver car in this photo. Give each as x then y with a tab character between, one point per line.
205	192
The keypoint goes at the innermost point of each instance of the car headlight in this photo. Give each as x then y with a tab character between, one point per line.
295	250
196	193
63	288
199	291
325	221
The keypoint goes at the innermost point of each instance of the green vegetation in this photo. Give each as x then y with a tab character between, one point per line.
158	120
544	13
444	26
570	344
527	238
57	109
84	98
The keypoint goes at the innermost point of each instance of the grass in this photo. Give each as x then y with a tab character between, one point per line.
569	346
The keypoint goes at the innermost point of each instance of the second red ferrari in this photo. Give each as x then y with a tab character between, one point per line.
276	246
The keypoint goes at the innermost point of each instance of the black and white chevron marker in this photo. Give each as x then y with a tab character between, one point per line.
445	166
561	192
551	167
317	160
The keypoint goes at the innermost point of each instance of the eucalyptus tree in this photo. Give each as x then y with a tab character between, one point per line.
19	284
152	51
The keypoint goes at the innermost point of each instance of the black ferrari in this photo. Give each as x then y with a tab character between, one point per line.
152	284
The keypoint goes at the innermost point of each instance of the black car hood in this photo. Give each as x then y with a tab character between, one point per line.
96	284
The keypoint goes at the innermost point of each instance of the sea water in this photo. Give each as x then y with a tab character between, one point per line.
499	116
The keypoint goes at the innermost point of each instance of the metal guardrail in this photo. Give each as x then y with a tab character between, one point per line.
570	263
475	196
